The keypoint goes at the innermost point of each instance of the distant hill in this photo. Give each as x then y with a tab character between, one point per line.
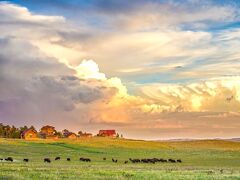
188	139
234	139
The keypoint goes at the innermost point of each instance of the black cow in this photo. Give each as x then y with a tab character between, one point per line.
144	160
25	160
104	159
47	160
68	159
179	160
164	160
57	158
9	159
85	159
151	161
125	162
114	160
135	160
171	160
1	159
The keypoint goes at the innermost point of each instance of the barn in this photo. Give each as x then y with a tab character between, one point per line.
29	134
107	133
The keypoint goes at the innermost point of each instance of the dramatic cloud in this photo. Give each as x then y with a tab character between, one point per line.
216	95
30	81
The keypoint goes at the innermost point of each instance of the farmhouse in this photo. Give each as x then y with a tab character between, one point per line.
29	134
107	133
71	136
48	132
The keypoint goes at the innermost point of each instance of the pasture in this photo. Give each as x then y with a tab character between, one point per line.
206	159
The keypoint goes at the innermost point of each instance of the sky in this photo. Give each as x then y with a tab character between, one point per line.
151	69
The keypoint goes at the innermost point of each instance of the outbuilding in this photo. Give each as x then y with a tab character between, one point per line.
29	134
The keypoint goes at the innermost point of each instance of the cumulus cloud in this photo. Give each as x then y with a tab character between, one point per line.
214	95
89	69
42	81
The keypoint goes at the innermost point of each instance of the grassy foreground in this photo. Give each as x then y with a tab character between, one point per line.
207	159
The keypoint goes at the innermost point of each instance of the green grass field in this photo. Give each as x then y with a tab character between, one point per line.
207	159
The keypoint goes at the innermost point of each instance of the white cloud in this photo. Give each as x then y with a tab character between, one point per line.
212	95
11	13
88	69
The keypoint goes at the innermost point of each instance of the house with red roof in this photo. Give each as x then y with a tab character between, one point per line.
107	133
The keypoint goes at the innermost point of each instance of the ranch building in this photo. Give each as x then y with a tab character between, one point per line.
107	133
29	134
72	136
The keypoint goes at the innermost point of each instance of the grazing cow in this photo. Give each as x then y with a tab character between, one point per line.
151	161
104	159
88	160
57	158
114	160
47	160
85	159
1	159
25	160
9	159
144	160
164	160
68	159
125	162
171	160
135	160
179	160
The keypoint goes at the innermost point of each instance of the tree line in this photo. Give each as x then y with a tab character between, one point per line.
7	131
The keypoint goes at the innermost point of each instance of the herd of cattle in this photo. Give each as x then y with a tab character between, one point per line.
151	160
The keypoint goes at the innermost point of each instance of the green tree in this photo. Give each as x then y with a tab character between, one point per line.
80	133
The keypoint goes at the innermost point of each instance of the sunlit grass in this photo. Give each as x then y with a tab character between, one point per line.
212	159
